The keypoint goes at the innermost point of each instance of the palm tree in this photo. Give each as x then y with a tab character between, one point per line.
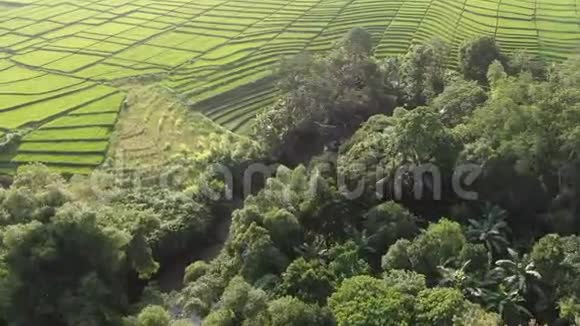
509	304
316	249
491	230
518	273
451	277
471	285
362	240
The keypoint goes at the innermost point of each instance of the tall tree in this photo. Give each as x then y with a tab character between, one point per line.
67	272
518	273
491	230
423	72
366	301
458	101
475	56
309	281
324	99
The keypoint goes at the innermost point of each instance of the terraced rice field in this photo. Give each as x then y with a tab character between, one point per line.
57	57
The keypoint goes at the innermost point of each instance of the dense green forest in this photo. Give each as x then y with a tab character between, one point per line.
346	231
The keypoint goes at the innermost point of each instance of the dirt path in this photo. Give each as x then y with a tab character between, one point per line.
171	277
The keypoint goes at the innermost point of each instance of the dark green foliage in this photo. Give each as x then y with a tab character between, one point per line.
491	231
301	249
303	242
384	146
423	72
324	99
258	254
366	301
289	311
198	297
85	243
439	244
243	300
195	270
52	260
398	256
357	40
242	304
518	273
556	260
476	55
508	135
35	195
458	101
386	223
183	218
284	228
347	261
521	61
310	281
478	257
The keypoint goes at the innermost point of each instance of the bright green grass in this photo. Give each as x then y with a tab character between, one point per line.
89	133
74	42
39	28
110	28
69	30
140	33
43	13
16	23
14	74
40	57
233	48
195	42
80	170
105	71
7	170
73	62
4	65
111	103
39	85
171	57
140	53
99	119
8	40
10	101
75	16
80	146
30	44
43	110
84	159
171	39
109	47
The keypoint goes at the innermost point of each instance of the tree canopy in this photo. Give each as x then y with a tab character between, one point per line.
360	223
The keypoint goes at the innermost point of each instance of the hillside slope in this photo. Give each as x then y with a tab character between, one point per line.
57	57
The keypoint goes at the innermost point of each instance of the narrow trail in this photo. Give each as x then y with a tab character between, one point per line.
170	277
144	127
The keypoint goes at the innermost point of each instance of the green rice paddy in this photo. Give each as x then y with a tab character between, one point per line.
58	57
